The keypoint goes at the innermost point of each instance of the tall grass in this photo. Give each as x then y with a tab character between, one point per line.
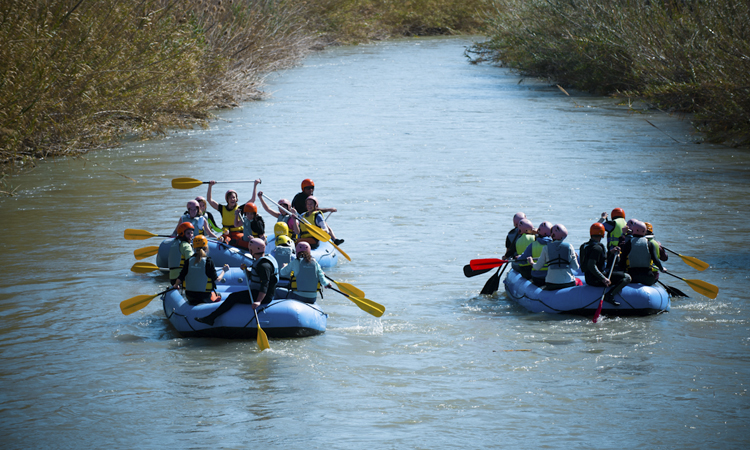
683	55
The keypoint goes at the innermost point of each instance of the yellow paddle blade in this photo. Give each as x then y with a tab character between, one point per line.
703	288
145	252
138	235
262	339
143	267
341	251
368	306
347	288
136	303
694	262
318	232
186	183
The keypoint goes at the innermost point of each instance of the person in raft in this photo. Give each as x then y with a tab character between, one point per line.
640	254
281	216
193	216
299	203
615	228
535	251
560	260
594	264
199	274
203	204
263	276
525	239
306	275
315	217
252	223
180	251
513	235
232	234
663	256
283	244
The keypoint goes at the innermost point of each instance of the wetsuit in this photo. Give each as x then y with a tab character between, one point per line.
594	263
299	202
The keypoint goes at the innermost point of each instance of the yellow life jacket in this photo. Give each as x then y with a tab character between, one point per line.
304	229
227	218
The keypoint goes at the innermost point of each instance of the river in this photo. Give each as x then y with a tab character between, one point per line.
427	158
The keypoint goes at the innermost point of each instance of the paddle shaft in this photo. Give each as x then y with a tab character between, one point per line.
604	293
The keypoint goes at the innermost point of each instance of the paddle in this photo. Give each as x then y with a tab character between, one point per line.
138	302
707	289
366	305
673	291
690	261
492	285
261	339
315	230
601	301
139	235
348	288
189	183
468	272
487	263
143	267
145	252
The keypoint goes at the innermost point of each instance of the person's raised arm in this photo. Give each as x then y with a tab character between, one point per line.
265	206
210	201
255	187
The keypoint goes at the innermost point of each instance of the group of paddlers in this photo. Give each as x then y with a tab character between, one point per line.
630	254
243	227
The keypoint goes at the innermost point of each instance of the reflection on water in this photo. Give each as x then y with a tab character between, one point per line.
426	158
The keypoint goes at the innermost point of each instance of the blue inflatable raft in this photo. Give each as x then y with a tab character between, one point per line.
635	299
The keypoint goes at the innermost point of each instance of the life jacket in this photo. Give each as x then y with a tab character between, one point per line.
658	251
253	228
536	251
639	256
288	220
613	237
255	278
282	254
196	279
211	222
304	229
198	222
227	218
176	257
522	242
305	280
585	251
558	254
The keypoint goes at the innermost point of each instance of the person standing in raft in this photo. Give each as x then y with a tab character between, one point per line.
180	250
282	216
299	203
513	235
203	204
232	233
640	254
251	222
263	276
306	275
615	228
594	264
193	216
560	260
524	241
535	251
199	274
315	217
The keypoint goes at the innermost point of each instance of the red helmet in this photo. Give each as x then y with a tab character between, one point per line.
649	228
302	246
617	212
545	229
517	218
307	183
256	246
525	226
597	229
559	232
250	208
181	228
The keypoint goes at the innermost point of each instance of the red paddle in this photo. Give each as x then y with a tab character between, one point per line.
486	263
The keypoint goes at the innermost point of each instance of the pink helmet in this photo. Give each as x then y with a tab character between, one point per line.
194	204
200	199
559	232
256	246
302	246
231	191
285	203
312	197
525	226
517	218
638	228
545	229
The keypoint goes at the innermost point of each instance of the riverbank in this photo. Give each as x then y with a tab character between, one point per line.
681	56
79	76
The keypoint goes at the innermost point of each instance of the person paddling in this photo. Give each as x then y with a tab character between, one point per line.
307	275
281	216
513	235
535	251
203	204
194	216
227	212
560	260
525	239
640	254
180	251
315	217
199	274
252	224
299	203
594	264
